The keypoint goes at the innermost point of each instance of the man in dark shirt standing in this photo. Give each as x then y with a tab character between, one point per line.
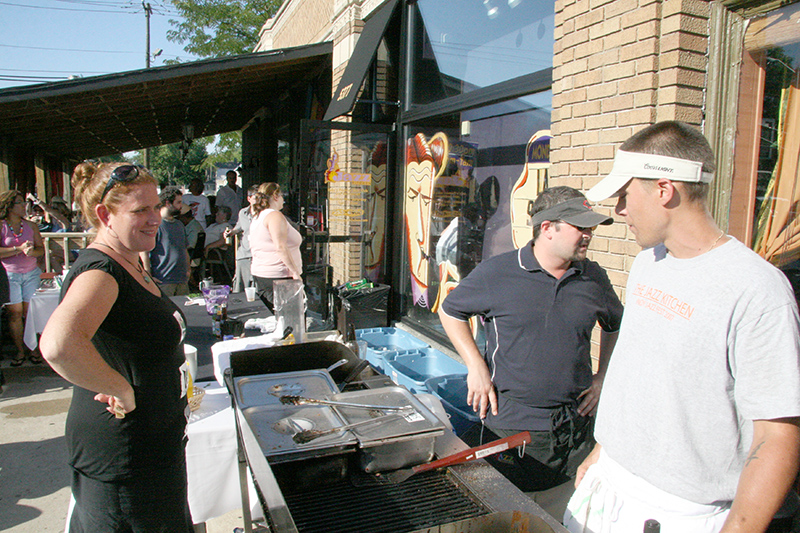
539	304
168	262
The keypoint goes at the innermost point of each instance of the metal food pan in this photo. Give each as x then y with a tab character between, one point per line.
266	389
417	419
398	443
274	427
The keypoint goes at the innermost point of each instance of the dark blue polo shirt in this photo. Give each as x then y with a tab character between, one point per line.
538	331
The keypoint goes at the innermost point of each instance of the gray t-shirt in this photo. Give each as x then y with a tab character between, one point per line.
706	346
169	261
244	223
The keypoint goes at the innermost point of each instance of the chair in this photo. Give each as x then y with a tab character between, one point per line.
218	266
196	259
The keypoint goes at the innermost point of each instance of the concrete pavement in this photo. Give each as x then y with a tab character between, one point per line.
34	476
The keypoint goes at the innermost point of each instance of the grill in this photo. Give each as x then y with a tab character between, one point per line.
422	501
471	495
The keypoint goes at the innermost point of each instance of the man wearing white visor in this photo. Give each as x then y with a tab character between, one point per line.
697	425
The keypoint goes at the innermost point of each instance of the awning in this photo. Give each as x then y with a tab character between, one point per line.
116	113
358	65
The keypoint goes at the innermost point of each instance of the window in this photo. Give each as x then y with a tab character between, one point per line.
468	179
766	177
481	43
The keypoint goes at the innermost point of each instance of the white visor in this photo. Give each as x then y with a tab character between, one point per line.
628	165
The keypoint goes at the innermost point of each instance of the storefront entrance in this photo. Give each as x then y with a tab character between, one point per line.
343	170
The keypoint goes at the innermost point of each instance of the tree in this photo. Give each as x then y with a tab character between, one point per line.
215	28
226	148
169	166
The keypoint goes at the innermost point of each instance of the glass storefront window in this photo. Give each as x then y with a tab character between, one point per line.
463	46
468	179
766	191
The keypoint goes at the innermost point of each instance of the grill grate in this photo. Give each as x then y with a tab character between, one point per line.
366	504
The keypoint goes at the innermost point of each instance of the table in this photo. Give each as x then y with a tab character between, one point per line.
41	306
198	326
211	458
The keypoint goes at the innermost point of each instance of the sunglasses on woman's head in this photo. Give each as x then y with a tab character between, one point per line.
121	174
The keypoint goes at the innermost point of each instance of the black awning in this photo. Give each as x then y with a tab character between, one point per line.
115	113
357	66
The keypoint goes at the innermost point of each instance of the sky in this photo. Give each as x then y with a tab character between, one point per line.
50	40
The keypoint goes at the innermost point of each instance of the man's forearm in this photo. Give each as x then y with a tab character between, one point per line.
768	473
460	335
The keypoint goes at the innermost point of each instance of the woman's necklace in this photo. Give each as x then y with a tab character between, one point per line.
138	266
17	236
721	234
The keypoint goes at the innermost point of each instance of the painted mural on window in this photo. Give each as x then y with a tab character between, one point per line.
446	215
531	182
376	214
424	158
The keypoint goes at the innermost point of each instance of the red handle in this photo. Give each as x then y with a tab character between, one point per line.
478	452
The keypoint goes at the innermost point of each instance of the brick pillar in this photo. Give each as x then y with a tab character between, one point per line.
345	199
619	66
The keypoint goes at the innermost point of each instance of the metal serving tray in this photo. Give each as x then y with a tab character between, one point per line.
396	443
266	389
274	426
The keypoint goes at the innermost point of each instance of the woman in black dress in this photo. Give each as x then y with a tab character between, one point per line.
120	342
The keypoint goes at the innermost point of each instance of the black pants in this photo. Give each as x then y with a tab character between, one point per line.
551	459
154	503
265	291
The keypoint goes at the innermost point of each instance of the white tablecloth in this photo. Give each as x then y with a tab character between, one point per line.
211	461
41	306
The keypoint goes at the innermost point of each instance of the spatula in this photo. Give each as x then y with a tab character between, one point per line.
478	452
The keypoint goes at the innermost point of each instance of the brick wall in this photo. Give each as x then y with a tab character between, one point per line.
297	22
618	66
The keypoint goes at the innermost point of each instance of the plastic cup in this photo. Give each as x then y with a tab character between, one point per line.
191	359
362	349
250	293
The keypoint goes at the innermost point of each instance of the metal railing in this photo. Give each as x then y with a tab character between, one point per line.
67	241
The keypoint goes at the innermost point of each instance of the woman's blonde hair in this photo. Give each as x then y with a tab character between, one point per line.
265	192
89	181
7	200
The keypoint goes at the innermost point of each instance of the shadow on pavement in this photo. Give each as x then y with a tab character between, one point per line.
30	470
28	380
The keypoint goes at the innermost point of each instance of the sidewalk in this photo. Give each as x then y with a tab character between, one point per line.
34	476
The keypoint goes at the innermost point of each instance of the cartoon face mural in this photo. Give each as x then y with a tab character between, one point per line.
423	164
376	213
531	182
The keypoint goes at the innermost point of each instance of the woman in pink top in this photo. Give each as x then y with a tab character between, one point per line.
274	242
20	245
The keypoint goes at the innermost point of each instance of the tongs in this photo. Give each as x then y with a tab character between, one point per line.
479	452
302	437
299	400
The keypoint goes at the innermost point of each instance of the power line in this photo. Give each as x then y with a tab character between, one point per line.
48	71
29	78
68	9
104	3
68	49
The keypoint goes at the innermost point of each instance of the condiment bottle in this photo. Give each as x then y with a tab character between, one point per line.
652	526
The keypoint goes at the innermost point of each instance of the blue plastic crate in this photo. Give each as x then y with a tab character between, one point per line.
384	341
375	358
452	391
389	339
411	368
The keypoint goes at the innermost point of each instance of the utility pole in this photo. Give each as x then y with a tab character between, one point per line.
147	11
